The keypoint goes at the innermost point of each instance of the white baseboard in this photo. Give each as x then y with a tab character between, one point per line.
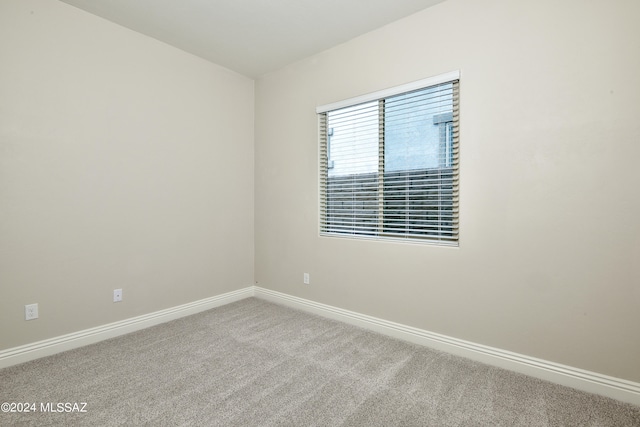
616	388
16	355
591	382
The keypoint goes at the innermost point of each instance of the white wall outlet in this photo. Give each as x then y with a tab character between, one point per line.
117	295
31	311
306	278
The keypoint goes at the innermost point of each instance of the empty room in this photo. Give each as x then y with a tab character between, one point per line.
336	213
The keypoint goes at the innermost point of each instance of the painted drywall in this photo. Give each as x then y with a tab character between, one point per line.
549	204
124	163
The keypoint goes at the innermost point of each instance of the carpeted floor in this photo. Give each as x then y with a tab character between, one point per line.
254	363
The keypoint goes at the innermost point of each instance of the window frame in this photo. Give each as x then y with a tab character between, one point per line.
380	96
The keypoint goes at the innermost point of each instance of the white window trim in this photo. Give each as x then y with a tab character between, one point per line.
408	87
373	96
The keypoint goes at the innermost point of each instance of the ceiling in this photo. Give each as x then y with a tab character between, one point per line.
252	37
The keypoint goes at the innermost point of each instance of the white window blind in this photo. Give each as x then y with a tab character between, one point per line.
389	166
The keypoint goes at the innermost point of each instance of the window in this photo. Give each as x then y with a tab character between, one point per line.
389	163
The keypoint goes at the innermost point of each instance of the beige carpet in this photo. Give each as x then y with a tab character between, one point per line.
254	363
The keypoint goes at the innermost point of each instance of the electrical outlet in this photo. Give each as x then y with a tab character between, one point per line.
306	278
31	311
117	295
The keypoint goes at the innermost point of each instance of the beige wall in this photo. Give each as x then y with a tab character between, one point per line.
549	256
124	163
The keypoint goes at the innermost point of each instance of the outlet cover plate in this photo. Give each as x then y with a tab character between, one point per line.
31	311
